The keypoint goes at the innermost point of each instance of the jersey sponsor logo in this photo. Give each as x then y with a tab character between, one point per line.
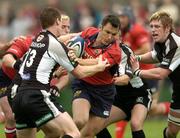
37	45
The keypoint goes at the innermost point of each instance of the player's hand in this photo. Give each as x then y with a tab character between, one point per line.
72	54
54	91
59	72
134	63
102	64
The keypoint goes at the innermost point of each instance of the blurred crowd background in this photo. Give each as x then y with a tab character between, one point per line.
20	17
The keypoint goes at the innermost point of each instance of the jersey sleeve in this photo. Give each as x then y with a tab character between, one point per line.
20	47
58	52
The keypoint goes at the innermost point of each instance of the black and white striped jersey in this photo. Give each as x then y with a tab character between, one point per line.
168	54
44	54
125	67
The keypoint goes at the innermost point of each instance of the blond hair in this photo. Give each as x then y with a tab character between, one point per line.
165	19
64	17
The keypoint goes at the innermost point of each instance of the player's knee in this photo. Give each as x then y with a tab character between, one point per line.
80	122
10	119
136	124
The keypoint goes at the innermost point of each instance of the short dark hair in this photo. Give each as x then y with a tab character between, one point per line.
48	17
113	20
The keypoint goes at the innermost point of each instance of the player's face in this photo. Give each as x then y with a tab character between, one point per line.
108	34
158	31
65	26
59	27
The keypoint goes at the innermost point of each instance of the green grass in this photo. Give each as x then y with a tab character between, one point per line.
153	129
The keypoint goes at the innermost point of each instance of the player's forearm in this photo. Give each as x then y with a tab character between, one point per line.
67	37
155	73
86	62
147	74
146	58
86	71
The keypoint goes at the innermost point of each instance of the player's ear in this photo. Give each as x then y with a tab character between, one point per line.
58	21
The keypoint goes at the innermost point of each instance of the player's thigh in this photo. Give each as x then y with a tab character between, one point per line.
80	108
63	123
26	133
138	115
116	115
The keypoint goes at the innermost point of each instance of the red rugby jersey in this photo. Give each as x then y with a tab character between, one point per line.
112	53
18	49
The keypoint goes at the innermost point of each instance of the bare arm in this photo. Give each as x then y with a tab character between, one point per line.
85	71
86	62
67	37
155	73
147	58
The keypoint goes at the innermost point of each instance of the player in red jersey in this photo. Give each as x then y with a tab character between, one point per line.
138	38
11	63
93	96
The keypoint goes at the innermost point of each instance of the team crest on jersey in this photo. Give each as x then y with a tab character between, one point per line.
39	38
96	51
77	93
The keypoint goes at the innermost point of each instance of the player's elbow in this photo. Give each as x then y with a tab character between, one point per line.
5	59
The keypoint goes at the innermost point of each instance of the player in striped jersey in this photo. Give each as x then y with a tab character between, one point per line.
166	51
40	110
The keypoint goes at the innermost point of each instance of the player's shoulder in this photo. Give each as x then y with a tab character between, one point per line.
89	31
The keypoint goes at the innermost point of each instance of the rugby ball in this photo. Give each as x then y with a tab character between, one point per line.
77	43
